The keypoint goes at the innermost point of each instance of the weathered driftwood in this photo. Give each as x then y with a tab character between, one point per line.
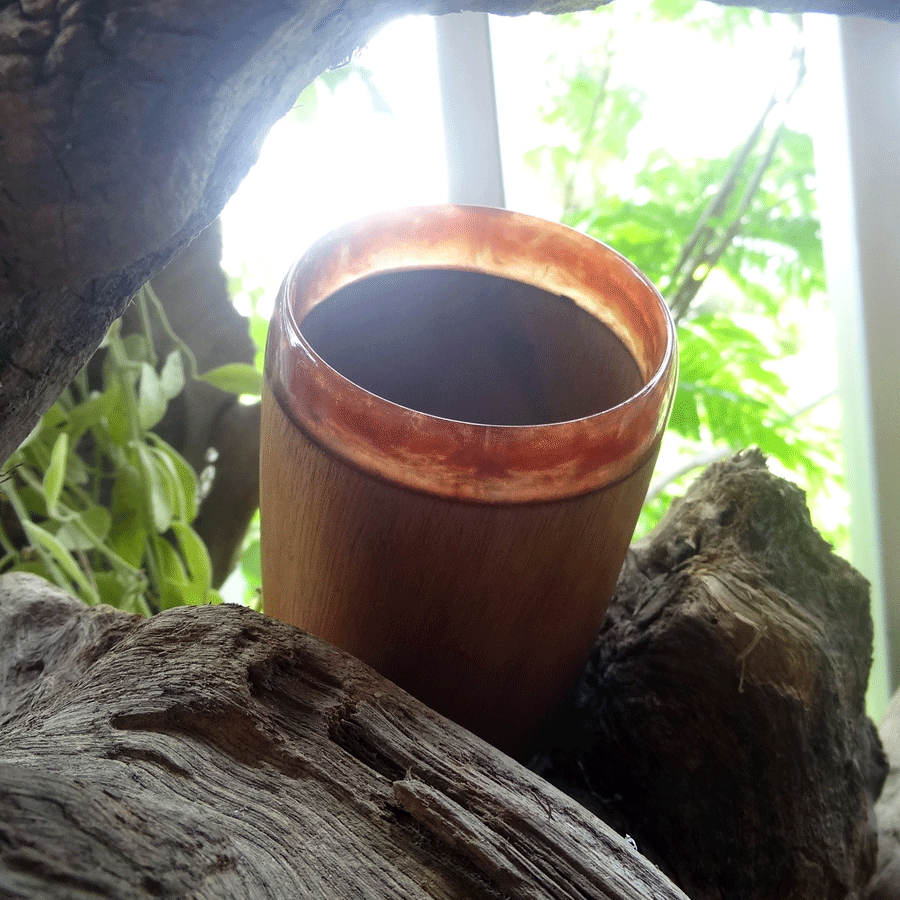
721	719
213	752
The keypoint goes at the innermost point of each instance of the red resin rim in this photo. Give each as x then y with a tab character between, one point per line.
461	460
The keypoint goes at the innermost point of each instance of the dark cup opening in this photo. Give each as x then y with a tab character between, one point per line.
472	347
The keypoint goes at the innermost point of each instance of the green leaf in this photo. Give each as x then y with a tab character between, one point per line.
171	377
54	418
169	562
182	472
76	471
85	415
42	539
684	418
195	555
127	597
128	538
151	397
113	413
175	588
235	378
136	348
158	502
87	530
259	333
307	106
178	499
55	475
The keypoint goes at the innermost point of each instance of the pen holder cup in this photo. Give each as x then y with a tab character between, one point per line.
461	413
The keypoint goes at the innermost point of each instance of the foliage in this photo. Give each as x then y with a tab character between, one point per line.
729	240
307	106
94	500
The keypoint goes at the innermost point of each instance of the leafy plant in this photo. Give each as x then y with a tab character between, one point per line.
730	241
307	106
95	501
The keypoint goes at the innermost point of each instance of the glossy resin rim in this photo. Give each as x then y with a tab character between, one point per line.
475	462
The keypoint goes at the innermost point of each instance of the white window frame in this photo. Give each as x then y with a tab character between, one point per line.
855	64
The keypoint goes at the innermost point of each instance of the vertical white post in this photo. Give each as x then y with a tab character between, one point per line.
856	69
470	109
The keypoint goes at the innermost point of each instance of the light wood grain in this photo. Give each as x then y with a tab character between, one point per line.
485	611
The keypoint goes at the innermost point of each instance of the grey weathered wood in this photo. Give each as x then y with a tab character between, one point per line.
212	752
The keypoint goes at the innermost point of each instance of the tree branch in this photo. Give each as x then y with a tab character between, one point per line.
707	243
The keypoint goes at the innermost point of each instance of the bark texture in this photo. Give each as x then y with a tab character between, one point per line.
124	128
212	752
721	719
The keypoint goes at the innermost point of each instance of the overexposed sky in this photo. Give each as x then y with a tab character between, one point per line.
351	159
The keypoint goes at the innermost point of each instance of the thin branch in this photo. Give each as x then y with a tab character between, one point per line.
688	289
717	204
590	126
703	248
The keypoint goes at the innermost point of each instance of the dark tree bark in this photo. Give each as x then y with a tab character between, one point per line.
211	752
125	128
721	719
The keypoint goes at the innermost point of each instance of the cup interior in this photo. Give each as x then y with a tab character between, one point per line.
472	347
474	353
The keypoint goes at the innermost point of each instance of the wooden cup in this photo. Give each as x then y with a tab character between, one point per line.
461	414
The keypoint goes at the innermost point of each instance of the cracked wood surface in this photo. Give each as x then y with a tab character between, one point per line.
721	718
211	752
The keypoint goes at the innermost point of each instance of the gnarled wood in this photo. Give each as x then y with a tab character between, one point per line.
721	719
125	128
211	752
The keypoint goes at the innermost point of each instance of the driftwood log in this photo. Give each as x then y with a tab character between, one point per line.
216	753
721	718
212	752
